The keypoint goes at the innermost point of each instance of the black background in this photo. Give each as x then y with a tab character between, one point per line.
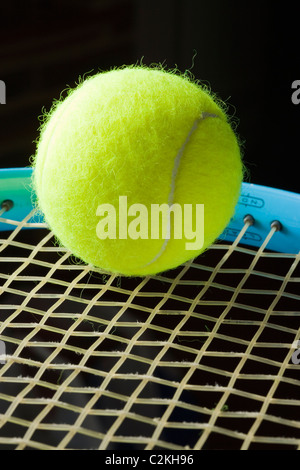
248	52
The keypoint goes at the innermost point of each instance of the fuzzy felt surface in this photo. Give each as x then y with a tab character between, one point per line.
150	135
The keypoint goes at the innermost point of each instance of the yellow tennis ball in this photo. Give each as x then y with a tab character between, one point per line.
137	170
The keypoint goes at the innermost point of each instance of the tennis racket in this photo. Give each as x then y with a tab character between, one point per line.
205	356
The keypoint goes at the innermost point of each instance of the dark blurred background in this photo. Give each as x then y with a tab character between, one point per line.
246	51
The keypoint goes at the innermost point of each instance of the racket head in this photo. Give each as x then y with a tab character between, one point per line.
201	357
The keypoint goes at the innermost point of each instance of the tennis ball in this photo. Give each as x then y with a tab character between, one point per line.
120	153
